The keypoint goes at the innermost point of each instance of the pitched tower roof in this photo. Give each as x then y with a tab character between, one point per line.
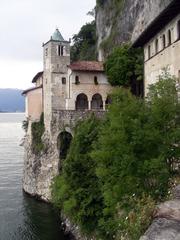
57	36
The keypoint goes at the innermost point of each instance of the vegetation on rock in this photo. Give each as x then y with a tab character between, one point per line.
84	47
119	167
124	65
37	129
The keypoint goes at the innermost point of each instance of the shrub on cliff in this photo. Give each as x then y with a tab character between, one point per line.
37	129
117	170
124	65
76	190
84	47
136	148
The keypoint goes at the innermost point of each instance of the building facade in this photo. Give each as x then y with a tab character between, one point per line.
77	86
161	42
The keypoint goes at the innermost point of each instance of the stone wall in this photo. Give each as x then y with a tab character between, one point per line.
39	170
127	23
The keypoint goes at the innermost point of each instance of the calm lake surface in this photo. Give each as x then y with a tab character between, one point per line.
21	217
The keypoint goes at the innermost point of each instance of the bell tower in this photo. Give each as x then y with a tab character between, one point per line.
56	58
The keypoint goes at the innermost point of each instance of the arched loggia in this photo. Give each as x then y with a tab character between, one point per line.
82	102
97	102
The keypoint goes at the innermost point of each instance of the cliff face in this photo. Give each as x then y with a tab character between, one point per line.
124	20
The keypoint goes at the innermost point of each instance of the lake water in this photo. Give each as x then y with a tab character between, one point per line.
21	217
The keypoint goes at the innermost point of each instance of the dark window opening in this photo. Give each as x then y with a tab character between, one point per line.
63	80
157	46
169	37
97	102
62	51
164	41
77	80
179	30
149	52
81	102
63	144
95	80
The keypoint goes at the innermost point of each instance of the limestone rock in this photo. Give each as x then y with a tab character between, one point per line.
166	225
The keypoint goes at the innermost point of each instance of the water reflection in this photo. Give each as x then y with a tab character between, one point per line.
21	217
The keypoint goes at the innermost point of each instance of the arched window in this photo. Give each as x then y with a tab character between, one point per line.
178	29
163	41
81	102
157	45
63	144
97	102
169	37
149	51
77	80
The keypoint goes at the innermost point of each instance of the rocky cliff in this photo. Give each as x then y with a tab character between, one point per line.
120	21
166	225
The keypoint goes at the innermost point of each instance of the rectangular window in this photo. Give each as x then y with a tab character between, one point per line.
164	41
149	52
63	80
178	28
157	45
169	37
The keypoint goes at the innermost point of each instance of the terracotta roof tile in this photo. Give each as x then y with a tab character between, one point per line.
90	66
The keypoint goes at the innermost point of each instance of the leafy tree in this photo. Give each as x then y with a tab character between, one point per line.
76	191
37	129
124	65
135	159
117	169
84	47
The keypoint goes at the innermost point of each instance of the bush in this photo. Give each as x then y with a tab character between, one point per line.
37	129
124	65
25	125
117	170
77	191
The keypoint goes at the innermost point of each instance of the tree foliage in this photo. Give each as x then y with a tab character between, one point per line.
84	47
124	65
37	129
76	191
118	169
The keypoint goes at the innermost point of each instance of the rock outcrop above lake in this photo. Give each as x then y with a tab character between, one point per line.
166	225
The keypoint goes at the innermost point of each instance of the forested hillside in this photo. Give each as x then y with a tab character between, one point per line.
11	100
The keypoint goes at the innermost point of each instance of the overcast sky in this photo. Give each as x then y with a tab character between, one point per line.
25	25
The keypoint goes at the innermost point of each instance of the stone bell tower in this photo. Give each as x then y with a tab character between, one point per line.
56	54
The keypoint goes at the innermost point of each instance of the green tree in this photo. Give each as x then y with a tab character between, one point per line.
84	47
124	65
134	150
76	191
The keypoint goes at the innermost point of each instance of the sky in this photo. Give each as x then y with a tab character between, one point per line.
25	25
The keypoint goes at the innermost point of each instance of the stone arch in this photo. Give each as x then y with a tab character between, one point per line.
96	102
63	144
82	102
